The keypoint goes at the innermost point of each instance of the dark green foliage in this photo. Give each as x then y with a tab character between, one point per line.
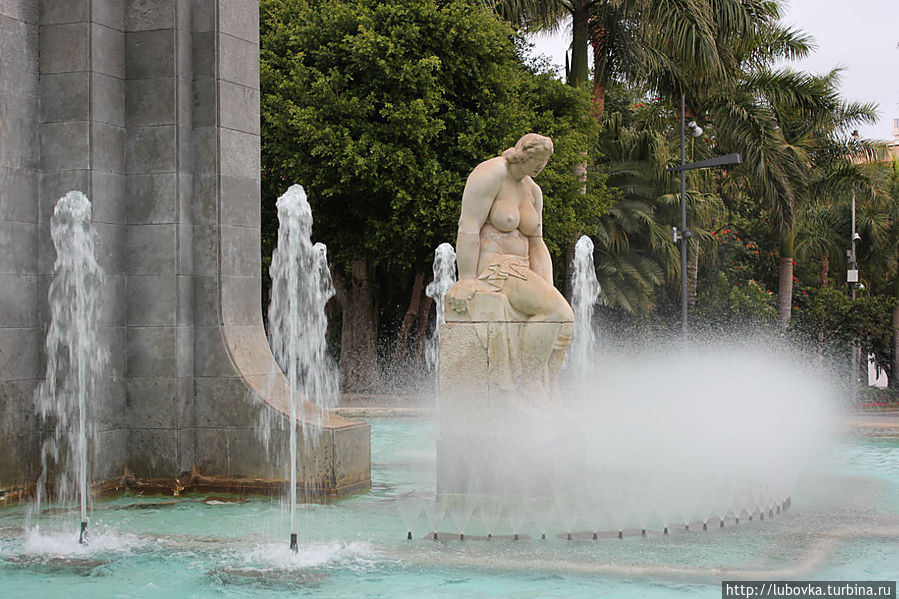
744	304
831	317
381	109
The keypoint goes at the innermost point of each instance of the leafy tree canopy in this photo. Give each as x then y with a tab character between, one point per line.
381	109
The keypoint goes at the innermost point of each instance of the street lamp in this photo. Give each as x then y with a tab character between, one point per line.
685	233
852	279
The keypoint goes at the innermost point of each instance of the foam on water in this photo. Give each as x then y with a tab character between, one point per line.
333	554
62	544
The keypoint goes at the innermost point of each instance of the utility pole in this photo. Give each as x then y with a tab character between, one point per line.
684	234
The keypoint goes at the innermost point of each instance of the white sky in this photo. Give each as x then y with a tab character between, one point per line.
859	35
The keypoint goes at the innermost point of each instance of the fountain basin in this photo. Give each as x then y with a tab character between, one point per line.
843	525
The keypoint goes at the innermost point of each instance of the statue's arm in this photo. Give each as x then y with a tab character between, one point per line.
480	190
538	253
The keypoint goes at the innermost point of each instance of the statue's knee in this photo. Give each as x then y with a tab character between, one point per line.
564	312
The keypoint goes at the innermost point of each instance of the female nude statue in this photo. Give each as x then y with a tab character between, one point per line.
500	248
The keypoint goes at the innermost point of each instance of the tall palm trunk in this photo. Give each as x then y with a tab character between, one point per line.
824	269
598	40
580	17
785	279
692	278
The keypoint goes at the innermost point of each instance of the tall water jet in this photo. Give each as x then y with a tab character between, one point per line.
444	278
584	295
301	286
75	353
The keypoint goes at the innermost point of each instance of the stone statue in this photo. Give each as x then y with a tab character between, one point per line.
505	272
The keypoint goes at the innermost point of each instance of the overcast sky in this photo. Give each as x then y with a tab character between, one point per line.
859	35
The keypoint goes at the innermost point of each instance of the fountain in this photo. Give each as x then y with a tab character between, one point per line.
444	278
75	355
671	440
584	295
301	286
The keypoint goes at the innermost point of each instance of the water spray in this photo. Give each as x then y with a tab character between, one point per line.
75	353
301	286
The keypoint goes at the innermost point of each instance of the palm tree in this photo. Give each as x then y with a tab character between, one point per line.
786	124
660	45
550	15
635	250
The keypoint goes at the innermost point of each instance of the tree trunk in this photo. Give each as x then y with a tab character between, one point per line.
599	40
785	281
692	278
411	317
424	316
567	282
580	14
358	334
824	270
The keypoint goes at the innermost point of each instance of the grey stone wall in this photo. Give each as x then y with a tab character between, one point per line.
21	331
151	107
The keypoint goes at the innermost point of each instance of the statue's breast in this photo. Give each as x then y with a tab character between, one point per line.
529	220
504	213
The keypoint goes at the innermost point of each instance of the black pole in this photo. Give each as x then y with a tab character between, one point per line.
82	538
683	214
293	542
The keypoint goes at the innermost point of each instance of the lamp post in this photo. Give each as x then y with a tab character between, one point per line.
852	279
684	234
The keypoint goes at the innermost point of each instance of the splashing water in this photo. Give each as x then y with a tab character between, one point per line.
584	295
301	286
75	353
444	278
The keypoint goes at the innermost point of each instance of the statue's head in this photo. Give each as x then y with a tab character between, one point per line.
532	148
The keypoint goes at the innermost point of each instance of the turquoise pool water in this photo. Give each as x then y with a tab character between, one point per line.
843	524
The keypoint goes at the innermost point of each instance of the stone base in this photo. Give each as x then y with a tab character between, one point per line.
497	439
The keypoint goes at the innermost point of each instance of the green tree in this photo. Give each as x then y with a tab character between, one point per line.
665	46
380	109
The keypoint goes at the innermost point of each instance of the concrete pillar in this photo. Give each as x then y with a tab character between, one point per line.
151	107
21	333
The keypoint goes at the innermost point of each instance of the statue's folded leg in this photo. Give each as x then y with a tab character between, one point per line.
560	346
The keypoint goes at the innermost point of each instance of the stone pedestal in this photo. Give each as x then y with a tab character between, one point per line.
498	434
